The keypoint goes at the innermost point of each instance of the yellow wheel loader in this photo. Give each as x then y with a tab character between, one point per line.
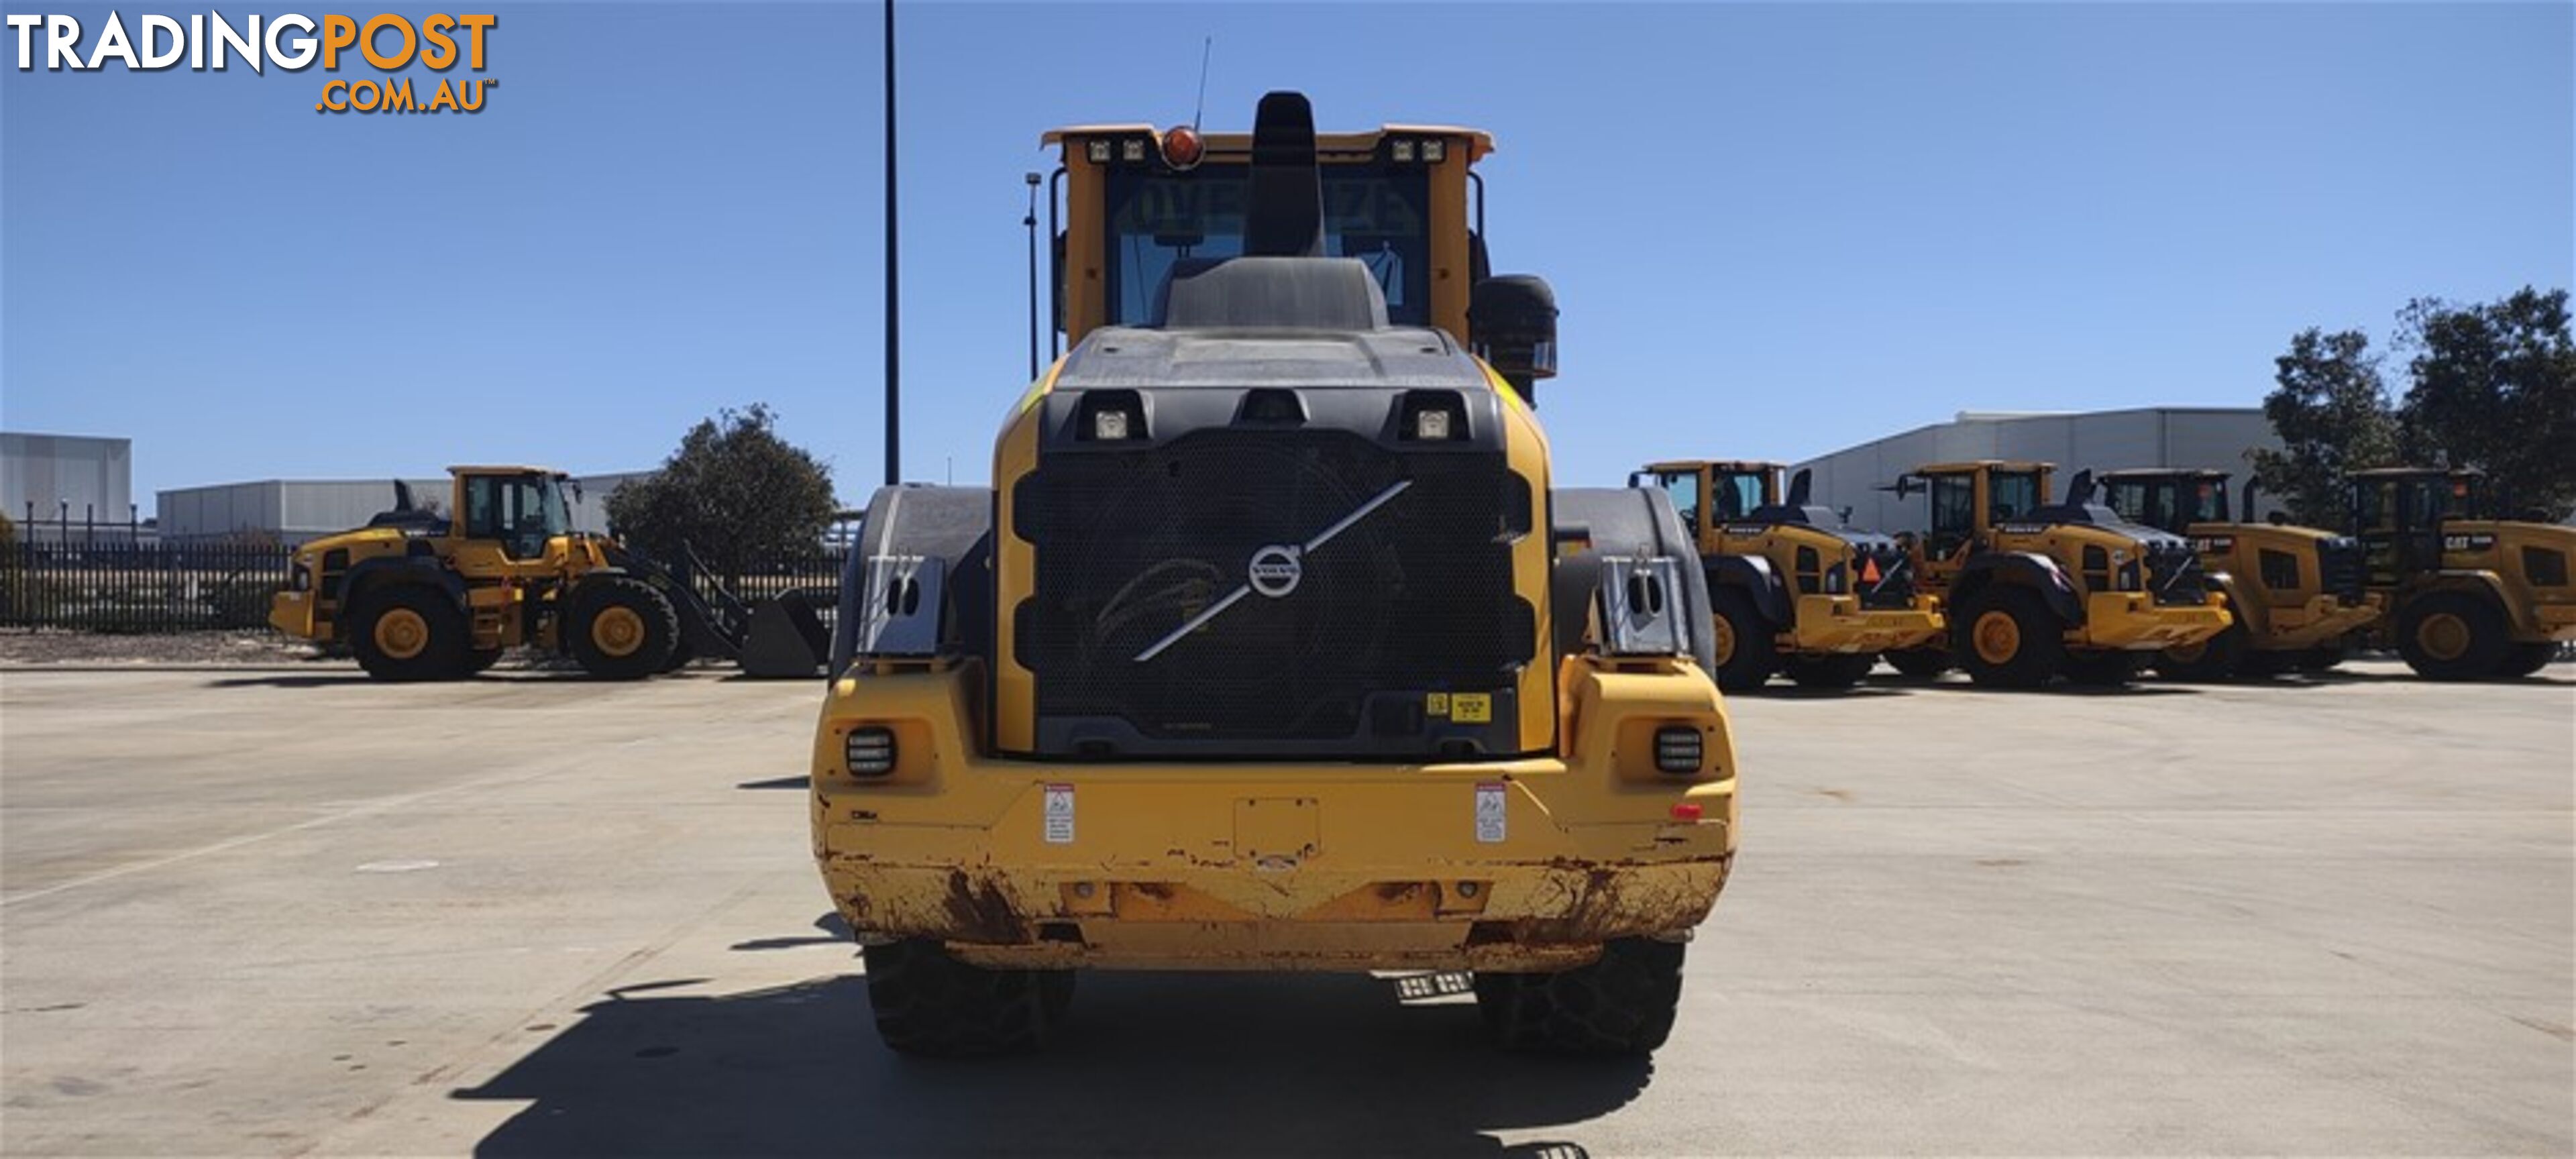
2468	596
1271	646
416	595
1792	591
2296	592
2035	590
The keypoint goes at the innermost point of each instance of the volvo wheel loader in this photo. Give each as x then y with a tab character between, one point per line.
1792	590
2035	590
2468	595
2296	593
1272	647
420	596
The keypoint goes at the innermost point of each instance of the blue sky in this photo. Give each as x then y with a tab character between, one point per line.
1773	229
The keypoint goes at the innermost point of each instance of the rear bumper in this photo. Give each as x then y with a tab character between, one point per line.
1427	867
1525	864
2134	621
1841	624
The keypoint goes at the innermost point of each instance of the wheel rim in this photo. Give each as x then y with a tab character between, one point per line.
1997	636
1723	634
2443	636
617	632
401	634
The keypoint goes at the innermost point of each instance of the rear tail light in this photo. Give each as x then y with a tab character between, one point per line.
1677	749
869	752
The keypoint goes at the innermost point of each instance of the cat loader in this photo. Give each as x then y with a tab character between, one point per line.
2296	592
2034	590
419	596
2469	596
1793	591
1272	647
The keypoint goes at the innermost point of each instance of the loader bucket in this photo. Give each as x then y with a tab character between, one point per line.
787	640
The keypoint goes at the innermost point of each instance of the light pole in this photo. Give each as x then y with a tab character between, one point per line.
893	282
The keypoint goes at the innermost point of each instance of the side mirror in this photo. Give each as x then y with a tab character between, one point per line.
1511	324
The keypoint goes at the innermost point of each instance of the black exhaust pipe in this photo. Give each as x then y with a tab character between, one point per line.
1284	200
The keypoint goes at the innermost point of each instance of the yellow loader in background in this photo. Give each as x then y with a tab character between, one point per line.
1791	589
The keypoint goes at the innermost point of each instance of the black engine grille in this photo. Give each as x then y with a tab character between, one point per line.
1415	596
2174	573
1894	587
2340	566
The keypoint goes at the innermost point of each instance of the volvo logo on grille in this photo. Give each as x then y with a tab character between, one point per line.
1275	570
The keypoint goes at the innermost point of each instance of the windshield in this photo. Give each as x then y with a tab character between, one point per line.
1379	216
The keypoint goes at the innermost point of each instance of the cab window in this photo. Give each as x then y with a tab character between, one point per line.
2013	494
1684	488
1954	505
1738	495
2208	501
1157	220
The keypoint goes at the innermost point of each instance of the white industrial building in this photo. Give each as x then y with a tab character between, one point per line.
47	480
2216	437
295	510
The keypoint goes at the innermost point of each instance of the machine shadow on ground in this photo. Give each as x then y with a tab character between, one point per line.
1154	1064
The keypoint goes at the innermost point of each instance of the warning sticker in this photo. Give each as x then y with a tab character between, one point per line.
1471	707
1435	704
1490	812
1059	814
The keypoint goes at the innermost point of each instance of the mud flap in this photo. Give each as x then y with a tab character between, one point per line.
787	640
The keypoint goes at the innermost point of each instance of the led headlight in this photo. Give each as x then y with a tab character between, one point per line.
869	752
1677	749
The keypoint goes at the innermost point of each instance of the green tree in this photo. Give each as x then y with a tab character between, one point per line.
2494	387
734	491
2331	410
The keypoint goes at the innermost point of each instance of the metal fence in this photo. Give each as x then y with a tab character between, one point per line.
111	582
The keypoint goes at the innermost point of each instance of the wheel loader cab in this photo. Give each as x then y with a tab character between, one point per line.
2397	514
520	510
2168	501
1969	500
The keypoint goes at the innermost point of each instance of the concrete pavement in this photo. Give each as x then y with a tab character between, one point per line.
297	913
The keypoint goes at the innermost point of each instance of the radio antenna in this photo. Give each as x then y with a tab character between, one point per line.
1206	49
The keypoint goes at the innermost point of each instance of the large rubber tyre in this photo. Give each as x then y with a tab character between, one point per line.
929	1003
1918	663
620	628
1622	1004
407	633
2452	636
2004	637
2524	659
2110	669
681	654
2211	660
1745	648
1829	671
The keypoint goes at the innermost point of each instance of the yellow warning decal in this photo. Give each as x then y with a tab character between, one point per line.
1435	704
1471	707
